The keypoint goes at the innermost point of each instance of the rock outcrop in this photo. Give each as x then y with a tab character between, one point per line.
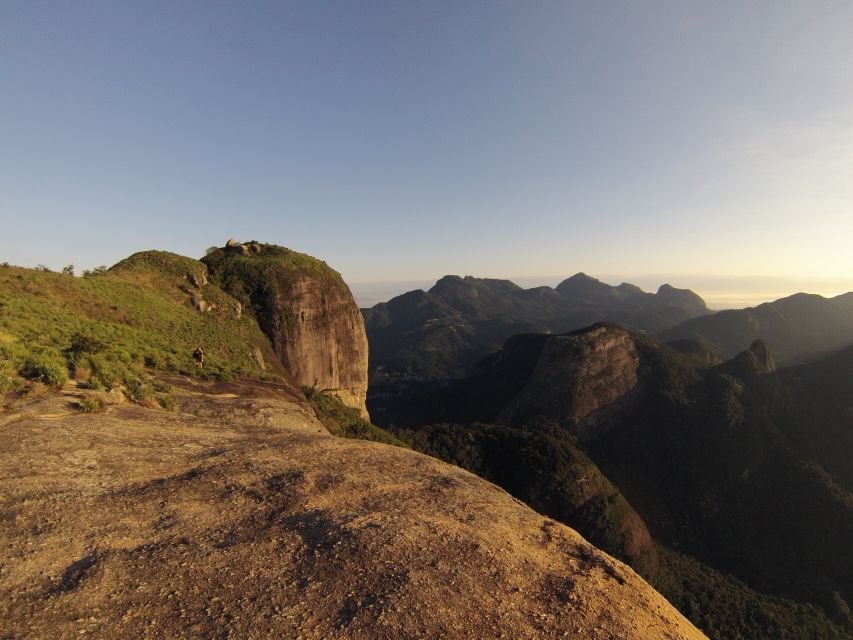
578	376
208	523
305	309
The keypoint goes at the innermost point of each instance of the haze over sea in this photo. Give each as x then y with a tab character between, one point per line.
720	292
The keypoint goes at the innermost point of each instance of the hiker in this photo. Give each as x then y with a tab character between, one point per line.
198	355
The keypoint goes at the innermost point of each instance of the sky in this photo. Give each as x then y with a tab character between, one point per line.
689	142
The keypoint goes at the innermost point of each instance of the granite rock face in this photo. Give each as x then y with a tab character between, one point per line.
307	312
318	333
578	377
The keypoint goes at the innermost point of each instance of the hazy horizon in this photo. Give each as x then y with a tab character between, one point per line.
718	292
409	140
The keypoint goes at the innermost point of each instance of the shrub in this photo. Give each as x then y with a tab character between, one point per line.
161	387
345	421
167	403
35	389
140	391
82	374
106	374
9	382
90	405
46	366
82	344
153	361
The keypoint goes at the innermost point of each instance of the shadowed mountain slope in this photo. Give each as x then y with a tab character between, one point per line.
794	328
736	465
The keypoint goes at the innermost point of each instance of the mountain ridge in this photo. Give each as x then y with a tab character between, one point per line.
798	326
423	337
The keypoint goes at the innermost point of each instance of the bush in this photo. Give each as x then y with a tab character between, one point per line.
90	405
105	373
9	382
140	391
82	344
161	387
46	366
345	421
167	403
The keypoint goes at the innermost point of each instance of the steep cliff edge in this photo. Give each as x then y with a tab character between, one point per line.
305	309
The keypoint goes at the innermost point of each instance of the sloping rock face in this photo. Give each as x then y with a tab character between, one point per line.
577	377
307	312
204	524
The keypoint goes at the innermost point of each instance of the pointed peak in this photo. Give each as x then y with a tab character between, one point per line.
759	349
583	286
580	276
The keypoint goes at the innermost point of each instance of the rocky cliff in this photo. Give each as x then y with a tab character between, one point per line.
578	376
305	309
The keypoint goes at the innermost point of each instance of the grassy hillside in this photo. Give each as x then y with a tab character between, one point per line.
345	421
140	315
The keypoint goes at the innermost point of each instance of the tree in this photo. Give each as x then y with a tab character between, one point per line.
68	270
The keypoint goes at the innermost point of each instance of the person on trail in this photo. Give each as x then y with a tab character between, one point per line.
198	354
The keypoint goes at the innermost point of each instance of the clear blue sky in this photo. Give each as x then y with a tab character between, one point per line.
404	140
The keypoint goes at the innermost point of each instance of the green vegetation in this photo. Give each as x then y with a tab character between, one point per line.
45	365
254	278
265	279
90	405
118	327
727	609
543	466
167	403
742	470
345	421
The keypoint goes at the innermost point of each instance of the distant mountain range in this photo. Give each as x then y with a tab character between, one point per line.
428	336
794	328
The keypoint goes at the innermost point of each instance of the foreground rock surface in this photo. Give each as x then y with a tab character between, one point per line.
235	517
